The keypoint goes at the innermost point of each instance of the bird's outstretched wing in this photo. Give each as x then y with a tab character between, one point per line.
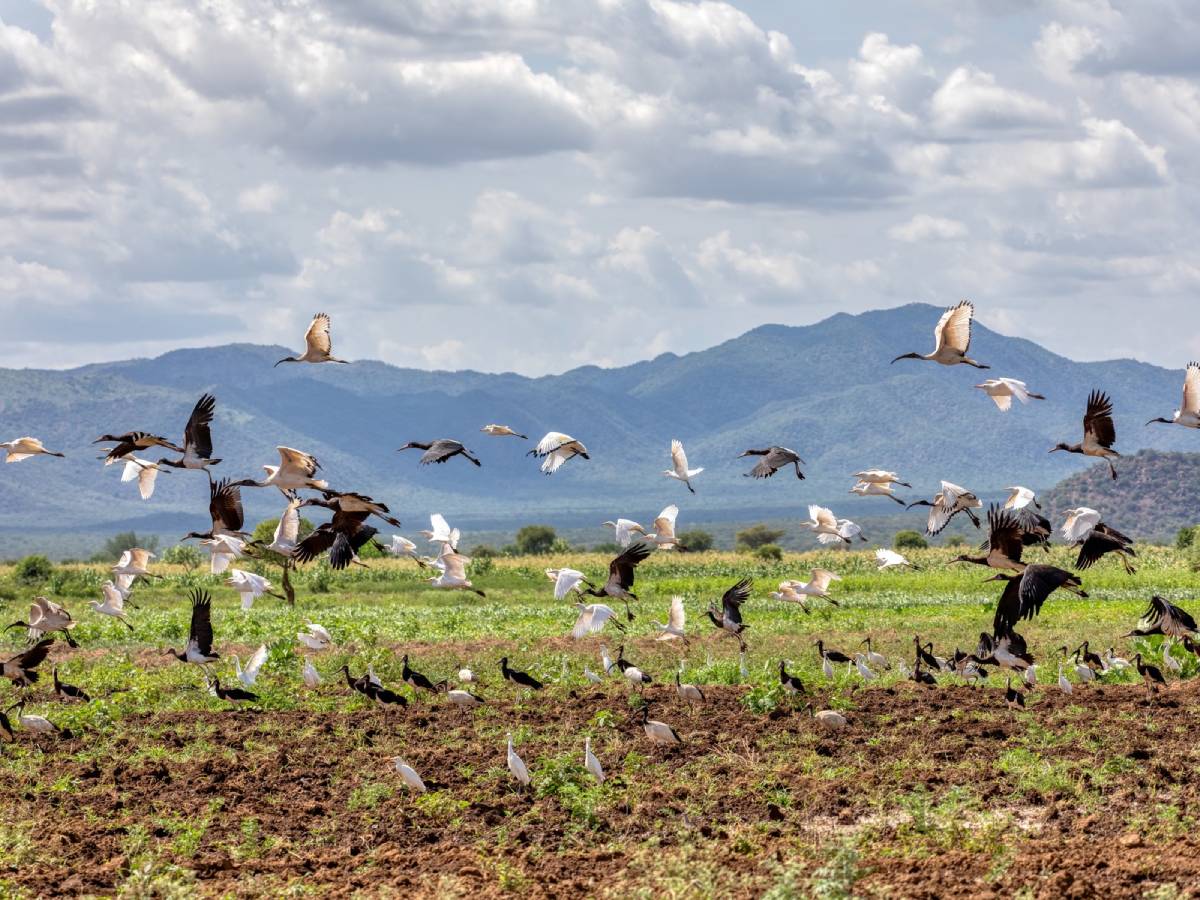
1097	421
317	336
201	631
197	436
954	327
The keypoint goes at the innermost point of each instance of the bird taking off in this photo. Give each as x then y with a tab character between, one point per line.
1099	432
317	344
952	338
679	466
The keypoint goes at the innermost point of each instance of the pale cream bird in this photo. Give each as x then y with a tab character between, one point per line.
946	504
452	572
516	765
409	775
679	466
317	344
674	630
223	549
566	580
502	431
287	531
248	674
875	489
25	447
134	562
663	535
1021	497
824	524
592	618
624	530
880	476
1003	390
312	678
440	532
46	616
249	586
952	338
314	637
113	605
557	448
817	584
591	763
295	471
1188	414
144	472
887	559
1079	524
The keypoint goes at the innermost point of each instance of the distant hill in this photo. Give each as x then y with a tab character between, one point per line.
826	390
1155	494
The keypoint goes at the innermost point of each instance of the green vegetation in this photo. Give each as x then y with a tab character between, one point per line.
756	536
125	540
33	570
909	540
533	540
697	540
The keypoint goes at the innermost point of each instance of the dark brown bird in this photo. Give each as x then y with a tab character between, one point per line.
1165	618
440	450
524	679
225	510
64	691
199	647
773	459
1004	543
1024	594
1099	433
352	502
729	616
20	669
621	576
343	536
1151	675
130	441
197	438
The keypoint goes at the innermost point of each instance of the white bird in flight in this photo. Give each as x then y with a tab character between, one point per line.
952	338
1002	391
502	431
317	344
592	618
452	572
1021	497
248	585
623	531
314	637
679	466
676	620
23	448
144	472
887	559
248	674
557	448
1188	414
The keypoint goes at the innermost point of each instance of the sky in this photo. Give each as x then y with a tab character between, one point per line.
533	185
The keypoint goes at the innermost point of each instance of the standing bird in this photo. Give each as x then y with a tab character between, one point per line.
874	658
621	574
232	695
439	451
1094	539
295	470
21	669
658	732
1014	698
502	431
591	763
317	344
310	675
557	448
23	448
789	683
827	718
416	680
952	337
1099	433
729	617
773	459
1188	414
225	511
197	438
887	559
64	691
517	677
679	466
688	692
199	648
1002	391
409	775
631	673
1151	675
516	765
946	504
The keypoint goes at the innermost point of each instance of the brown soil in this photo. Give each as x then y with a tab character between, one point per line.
301	776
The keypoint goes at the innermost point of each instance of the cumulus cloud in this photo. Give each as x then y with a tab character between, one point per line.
924	227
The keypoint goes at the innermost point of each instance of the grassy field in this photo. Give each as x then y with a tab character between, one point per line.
159	789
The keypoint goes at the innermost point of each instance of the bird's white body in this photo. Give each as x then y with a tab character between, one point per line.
557	448
402	547
886	559
516	765
287	530
634	676
409	775
878	660
315	637
1003	390
312	678
606	662
679	466
1170	663
689	692
295	471
440	532
248	585
452	573
877	476
817	584
465	675
624	530
1188	414
592	618
45	616
1031	675
676	620
873	489
463	699
23	448
1079	524
864	671
1063	684
114	602
565	580
248	674
1111	661
826	667
951	499
133	562
1084	672
591	763
663	535
498	430
660	732
824	524
223	549
1019	498
317	344
591	676
144	472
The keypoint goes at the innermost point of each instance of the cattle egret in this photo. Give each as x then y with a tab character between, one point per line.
23	448
623	531
887	559
314	637
557	448
824	524
875	489
880	476
679	466
591	763
663	535
1002	391
113	605
817	584
1020	498
592	618
295	471
249	586
144	472
440	532
312	678
502	431
452	569
248	674
674	629
567	580
516	765
409	775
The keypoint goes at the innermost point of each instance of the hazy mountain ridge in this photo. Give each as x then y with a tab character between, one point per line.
826	390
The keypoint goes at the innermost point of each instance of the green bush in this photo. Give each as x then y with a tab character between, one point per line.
122	541
955	540
909	540
756	536
484	551
185	555
769	551
1185	538
534	540
697	540
33	569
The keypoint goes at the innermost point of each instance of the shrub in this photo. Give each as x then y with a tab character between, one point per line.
183	555
534	540
769	551
33	569
909	540
756	536
955	540
1186	537
697	540
484	551
122	541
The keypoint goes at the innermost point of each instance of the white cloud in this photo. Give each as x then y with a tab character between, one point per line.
971	100
924	227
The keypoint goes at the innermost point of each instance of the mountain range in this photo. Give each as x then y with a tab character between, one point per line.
828	390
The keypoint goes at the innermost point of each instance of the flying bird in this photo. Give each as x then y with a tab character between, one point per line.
317	344
21	669
440	532
1020	498
249	586
502	431
952	337
592	618
295	471
225	511
197	438
453	572
817	585
663	536
1085	530
1025	593
679	466
440	450
880	476
828	528
199	647
729	616
1165	618
624	530
1004	544
126	443
1002	391
343	535
621	576
567	580
1099	433
1188	414
315	637
557	448
875	489
887	559
676	620
773	459
113	605
353	502
248	674
948	503
144	472
23	448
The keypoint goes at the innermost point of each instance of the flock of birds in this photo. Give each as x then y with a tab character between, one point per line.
1013	528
